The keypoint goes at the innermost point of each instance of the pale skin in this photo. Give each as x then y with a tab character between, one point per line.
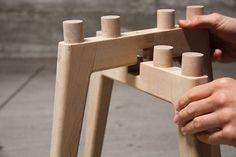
209	111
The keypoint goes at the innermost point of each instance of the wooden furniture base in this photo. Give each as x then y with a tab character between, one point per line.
95	62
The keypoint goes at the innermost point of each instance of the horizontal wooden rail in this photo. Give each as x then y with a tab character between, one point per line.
120	51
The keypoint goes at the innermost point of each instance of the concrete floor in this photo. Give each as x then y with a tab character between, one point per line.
138	124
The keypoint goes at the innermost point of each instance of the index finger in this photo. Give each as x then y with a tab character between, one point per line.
194	94
211	21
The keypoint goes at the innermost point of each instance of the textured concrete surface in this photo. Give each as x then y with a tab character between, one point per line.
33	28
138	124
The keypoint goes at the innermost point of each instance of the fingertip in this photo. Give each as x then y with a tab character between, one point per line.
176	118
181	103
217	55
177	107
184	23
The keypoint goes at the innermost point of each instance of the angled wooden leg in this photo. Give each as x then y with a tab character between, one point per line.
215	149
100	90
190	146
201	149
190	12
73	73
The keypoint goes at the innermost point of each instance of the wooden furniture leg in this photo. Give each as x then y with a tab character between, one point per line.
190	12
100	90
190	146
73	72
215	149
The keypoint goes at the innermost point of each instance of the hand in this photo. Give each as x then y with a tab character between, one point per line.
222	34
209	112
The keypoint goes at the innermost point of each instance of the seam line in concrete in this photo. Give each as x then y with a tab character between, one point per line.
21	87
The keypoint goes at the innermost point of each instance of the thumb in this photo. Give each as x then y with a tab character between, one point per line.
211	21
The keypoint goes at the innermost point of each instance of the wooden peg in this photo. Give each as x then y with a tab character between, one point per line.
194	10
192	64
166	18
163	56
73	31
110	26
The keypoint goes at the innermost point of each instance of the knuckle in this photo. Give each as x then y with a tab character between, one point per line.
216	17
223	82
191	94
224	116
196	123
191	111
220	99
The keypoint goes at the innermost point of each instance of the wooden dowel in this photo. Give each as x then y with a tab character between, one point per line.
166	18
192	64
110	26
73	31
163	56
194	10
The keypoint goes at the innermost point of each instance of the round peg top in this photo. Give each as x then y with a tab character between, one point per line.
192	64
110	17
163	56
194	10
110	26
73	31
166	18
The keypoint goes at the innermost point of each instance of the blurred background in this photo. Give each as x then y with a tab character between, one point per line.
31	28
29	34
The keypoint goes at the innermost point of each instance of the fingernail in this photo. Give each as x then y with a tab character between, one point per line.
180	103
176	105
176	118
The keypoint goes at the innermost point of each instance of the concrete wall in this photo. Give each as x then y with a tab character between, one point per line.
33	28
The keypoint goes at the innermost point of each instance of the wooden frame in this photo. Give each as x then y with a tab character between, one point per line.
79	58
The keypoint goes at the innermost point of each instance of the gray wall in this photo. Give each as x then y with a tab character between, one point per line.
33	28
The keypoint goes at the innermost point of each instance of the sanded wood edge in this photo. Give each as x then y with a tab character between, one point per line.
121	51
155	86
